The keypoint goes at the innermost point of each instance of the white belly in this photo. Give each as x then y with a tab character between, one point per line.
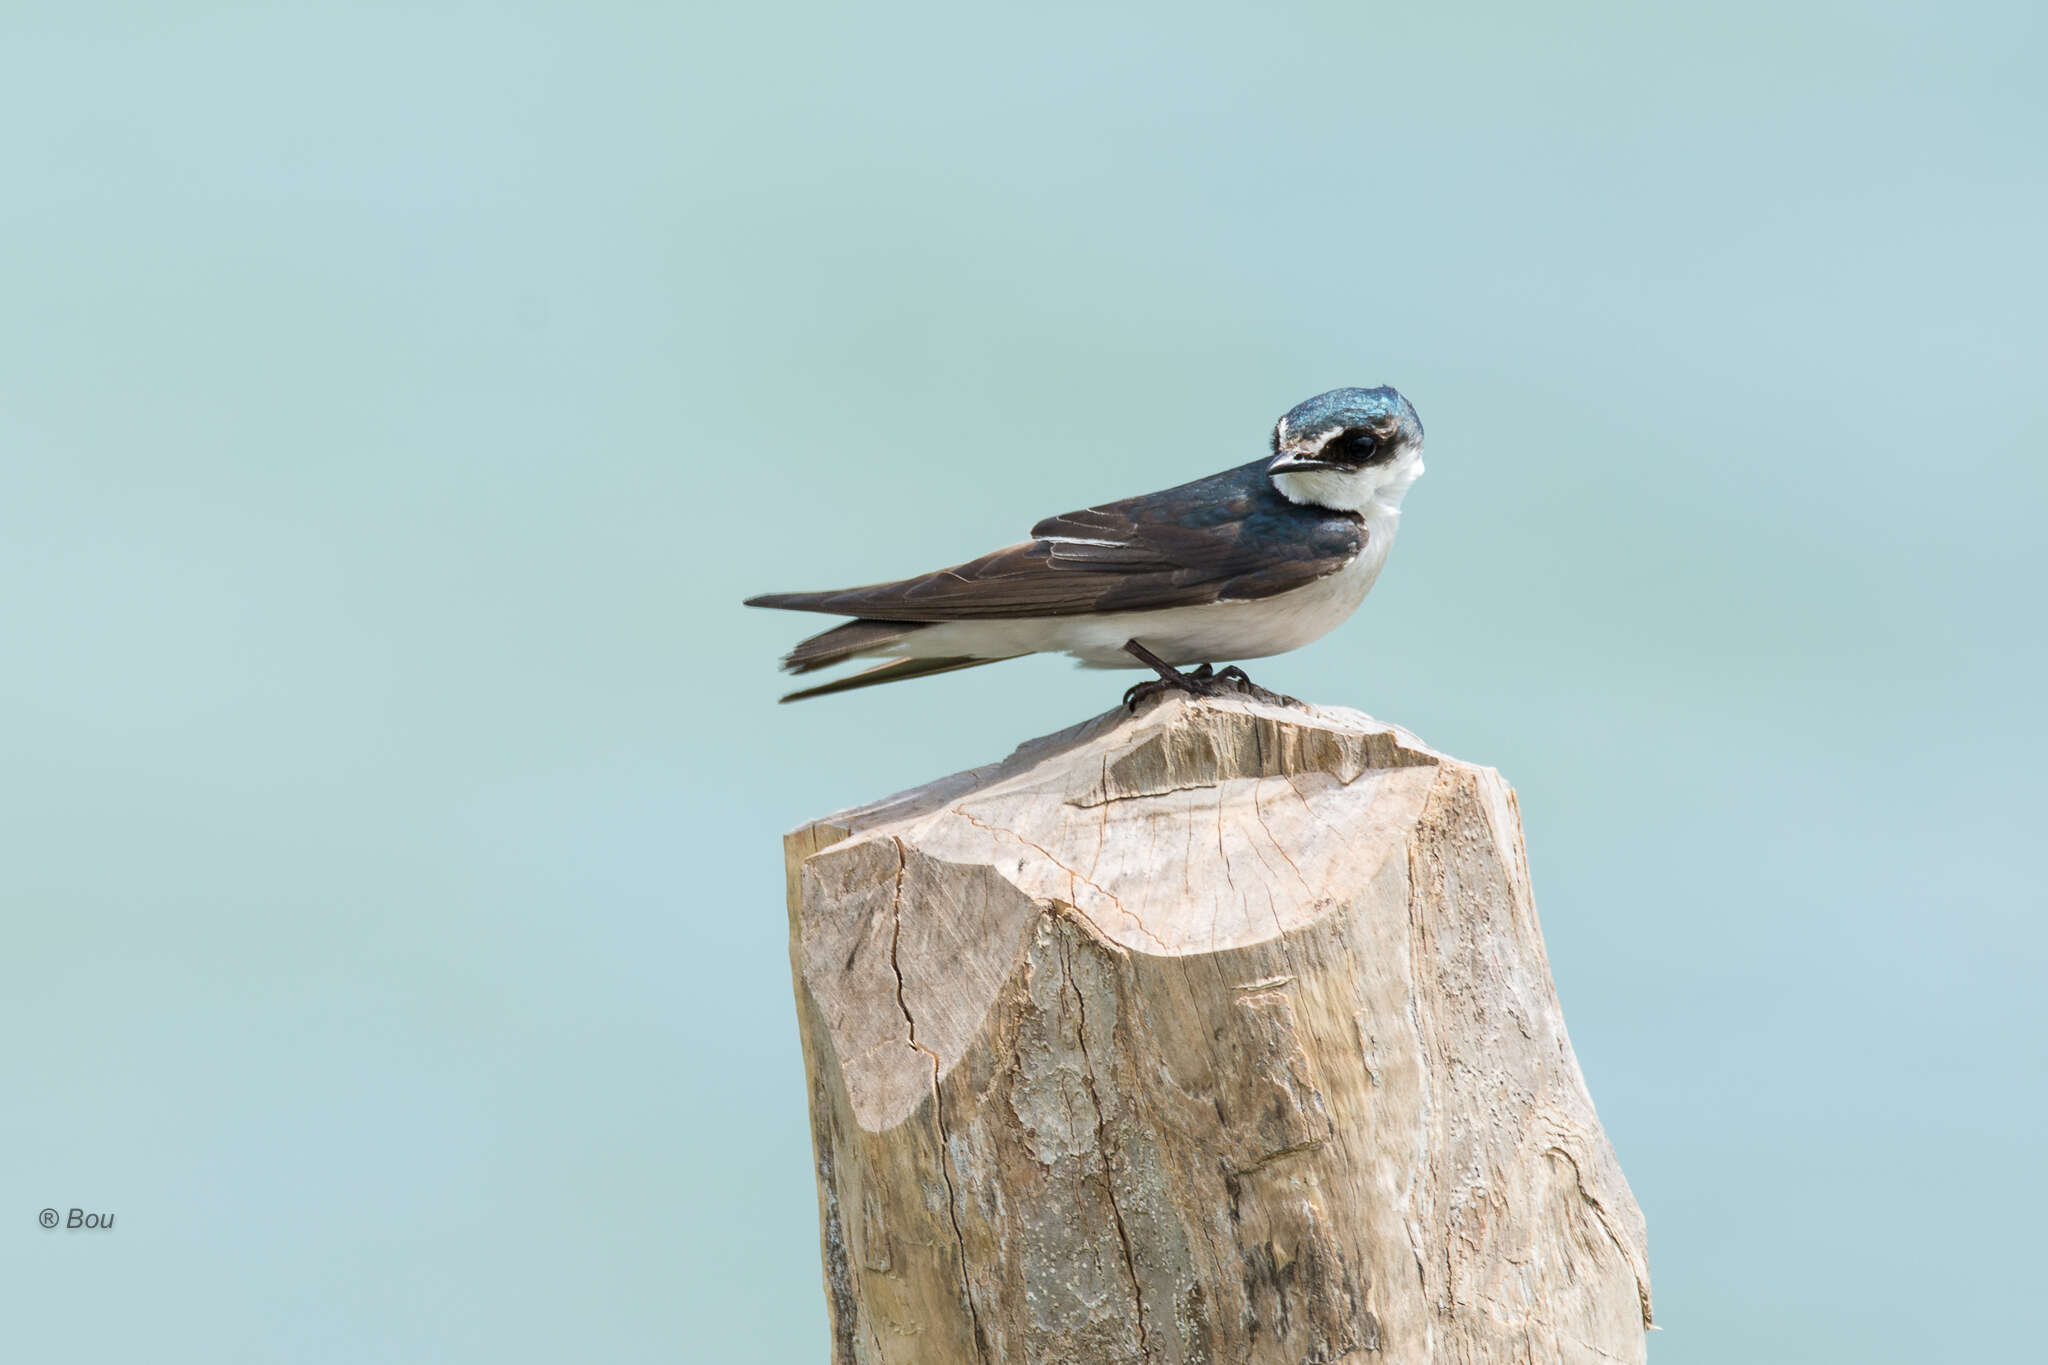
1219	632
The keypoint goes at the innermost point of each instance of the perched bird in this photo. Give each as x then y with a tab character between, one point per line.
1254	561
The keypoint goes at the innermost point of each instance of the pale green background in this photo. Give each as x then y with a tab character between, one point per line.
396	400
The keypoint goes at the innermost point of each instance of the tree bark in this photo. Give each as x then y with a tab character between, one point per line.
1223	1033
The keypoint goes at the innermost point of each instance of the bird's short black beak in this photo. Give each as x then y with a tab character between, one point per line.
1292	463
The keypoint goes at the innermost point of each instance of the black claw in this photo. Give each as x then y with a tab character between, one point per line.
1191	683
1253	690
1143	691
1204	681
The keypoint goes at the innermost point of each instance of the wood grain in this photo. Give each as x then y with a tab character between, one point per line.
1223	1033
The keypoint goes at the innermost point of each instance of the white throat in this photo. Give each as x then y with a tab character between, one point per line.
1375	490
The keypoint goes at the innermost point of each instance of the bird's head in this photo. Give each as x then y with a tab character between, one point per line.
1348	449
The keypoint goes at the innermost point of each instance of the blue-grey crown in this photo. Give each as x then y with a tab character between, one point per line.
1306	423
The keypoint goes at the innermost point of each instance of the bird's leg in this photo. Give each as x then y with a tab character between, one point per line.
1201	682
1198	683
1167	672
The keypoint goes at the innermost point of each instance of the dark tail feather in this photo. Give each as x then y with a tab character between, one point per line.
794	601
843	642
894	670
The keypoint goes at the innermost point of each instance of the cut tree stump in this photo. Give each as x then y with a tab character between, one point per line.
1222	1033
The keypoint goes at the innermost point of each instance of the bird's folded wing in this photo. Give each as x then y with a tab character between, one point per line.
1229	537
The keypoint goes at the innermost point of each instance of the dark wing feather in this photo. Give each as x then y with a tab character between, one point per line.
1229	537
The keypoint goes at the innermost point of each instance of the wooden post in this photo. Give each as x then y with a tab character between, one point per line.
1222	1034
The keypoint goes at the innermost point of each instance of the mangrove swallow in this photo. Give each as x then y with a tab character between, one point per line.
1251	562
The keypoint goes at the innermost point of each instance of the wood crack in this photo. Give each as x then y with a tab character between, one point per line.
1074	879
1102	1145
938	1100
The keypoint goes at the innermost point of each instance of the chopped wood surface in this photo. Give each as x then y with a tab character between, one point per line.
1221	1033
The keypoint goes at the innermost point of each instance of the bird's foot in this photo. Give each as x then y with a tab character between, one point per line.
1203	682
1245	685
1137	694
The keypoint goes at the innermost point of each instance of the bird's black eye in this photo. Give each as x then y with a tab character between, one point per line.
1354	446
